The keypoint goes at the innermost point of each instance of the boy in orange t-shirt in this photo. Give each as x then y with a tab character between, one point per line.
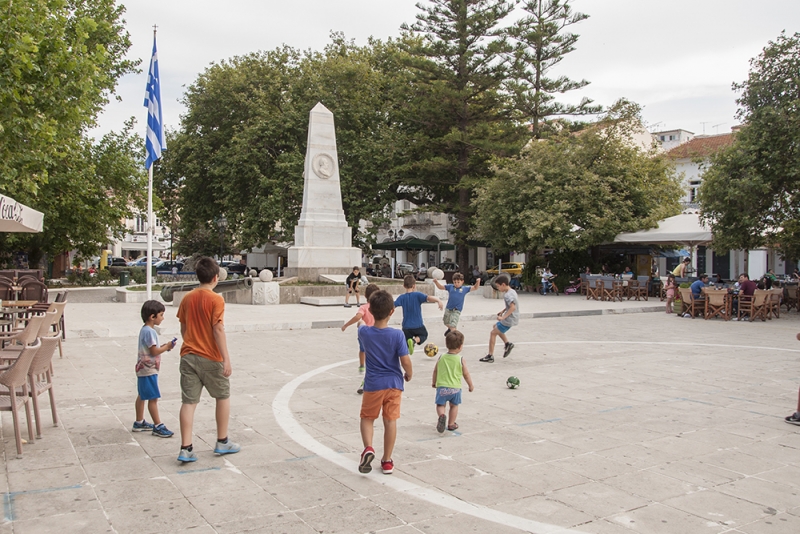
205	361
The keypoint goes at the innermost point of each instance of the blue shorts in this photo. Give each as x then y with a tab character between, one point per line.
360	346
445	395
148	387
502	328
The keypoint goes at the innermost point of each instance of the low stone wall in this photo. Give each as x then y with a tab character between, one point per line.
292	293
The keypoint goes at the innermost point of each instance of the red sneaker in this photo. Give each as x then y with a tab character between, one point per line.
366	460
387	466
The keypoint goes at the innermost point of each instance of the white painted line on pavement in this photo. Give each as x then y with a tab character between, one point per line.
669	343
285	418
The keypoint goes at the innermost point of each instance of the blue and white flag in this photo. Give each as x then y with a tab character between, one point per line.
155	141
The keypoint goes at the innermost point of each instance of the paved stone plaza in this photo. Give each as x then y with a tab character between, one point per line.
625	422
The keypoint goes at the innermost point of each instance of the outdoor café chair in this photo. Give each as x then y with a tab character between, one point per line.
595	292
639	290
26	336
716	303
774	303
790	296
40	380
692	306
609	291
33	289
16	376
760	305
62	297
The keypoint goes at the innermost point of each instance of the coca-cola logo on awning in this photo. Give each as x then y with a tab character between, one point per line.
10	210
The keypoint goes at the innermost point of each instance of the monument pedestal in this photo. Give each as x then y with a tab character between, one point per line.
307	263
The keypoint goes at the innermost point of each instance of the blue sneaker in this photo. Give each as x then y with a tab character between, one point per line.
162	431
187	456
144	426
227	448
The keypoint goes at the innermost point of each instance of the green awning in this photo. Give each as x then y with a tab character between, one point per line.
413	243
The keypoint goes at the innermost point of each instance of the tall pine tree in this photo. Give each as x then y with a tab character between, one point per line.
459	117
540	43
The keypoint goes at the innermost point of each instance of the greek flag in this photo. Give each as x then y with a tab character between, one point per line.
155	142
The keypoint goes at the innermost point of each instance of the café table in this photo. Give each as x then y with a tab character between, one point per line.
15	309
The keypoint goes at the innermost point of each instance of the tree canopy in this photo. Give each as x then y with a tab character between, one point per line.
59	64
241	146
573	191
751	191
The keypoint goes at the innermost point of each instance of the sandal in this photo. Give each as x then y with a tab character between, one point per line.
452	427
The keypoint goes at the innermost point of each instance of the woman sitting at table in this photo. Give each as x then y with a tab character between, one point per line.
718	280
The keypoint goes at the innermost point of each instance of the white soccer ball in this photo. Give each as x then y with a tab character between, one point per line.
223	274
437	274
265	275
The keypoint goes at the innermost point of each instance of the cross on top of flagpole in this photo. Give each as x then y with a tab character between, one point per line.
155	141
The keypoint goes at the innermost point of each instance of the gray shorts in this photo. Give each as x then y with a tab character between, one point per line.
198	372
451	317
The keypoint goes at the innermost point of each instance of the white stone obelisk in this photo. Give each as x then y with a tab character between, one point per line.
322	240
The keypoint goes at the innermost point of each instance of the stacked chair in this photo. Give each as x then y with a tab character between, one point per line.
27	355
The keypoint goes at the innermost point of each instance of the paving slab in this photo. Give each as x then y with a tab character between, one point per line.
625	421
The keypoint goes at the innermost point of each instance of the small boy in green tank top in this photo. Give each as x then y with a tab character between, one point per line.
447	380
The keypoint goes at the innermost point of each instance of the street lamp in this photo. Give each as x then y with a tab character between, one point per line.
222	224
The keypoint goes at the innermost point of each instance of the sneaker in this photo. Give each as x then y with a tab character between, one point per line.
509	347
347	305
187	456
360	368
360	389
365	466
227	448
440	424
162	431
687	315
487	359
144	426
793	419
387	466
410	347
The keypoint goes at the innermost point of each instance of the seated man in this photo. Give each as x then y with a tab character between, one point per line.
698	285
747	288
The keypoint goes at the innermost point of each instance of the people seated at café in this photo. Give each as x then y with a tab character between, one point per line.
698	285
718	280
769	279
746	286
627	272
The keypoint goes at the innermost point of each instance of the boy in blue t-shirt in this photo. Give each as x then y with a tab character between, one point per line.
455	300
411	302
147	366
388	364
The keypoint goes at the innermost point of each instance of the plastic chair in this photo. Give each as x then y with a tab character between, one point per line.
33	289
26	336
16	376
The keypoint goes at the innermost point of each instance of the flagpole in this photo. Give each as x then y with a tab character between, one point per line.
154	144
150	234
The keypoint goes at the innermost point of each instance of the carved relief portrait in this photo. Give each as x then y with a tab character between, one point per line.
323	165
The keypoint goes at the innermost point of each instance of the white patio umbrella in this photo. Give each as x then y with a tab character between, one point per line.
16	217
684	229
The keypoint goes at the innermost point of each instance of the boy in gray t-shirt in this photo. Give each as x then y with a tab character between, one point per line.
505	319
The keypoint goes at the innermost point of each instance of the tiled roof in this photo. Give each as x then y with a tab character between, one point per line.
701	147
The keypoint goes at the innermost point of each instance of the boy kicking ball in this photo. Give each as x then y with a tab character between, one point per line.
505	319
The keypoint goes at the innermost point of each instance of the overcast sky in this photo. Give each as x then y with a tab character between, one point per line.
677	59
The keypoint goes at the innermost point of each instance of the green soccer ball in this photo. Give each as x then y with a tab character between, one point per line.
431	350
512	382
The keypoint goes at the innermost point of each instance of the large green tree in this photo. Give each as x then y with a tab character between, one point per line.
458	116
541	41
241	146
59	64
574	191
751	191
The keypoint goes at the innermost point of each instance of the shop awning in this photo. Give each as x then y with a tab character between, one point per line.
16	217
413	243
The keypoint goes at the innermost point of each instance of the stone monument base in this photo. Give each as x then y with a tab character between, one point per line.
307	263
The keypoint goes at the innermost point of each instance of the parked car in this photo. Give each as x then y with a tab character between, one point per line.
167	265
236	268
117	262
142	262
405	268
509	267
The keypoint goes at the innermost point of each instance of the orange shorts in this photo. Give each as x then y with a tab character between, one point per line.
387	399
